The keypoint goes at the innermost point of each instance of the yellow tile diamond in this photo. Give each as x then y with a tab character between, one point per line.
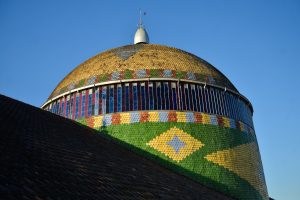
175	144
245	161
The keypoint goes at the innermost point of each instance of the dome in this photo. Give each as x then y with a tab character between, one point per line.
156	60
169	106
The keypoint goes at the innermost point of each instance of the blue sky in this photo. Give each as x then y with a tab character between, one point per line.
256	44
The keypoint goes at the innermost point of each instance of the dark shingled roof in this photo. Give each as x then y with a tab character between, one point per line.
45	156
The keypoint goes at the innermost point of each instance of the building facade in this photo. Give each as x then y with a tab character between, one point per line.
170	106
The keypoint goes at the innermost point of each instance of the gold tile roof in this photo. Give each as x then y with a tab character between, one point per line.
138	57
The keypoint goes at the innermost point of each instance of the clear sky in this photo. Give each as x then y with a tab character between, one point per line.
255	43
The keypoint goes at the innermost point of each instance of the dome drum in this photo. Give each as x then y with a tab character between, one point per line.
152	94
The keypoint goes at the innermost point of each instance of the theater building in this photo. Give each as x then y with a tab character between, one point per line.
170	106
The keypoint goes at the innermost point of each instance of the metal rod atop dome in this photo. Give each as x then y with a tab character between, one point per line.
141	36
140	25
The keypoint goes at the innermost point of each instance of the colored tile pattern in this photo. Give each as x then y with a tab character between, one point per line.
91	80
115	76
144	57
166	116
141	73
175	144
129	74
168	73
161	139
98	121
237	160
204	147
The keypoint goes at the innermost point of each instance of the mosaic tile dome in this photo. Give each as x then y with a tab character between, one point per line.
172	107
134	61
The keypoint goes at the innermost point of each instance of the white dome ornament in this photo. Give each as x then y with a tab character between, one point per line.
141	35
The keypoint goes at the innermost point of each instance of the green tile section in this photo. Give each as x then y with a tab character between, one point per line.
136	136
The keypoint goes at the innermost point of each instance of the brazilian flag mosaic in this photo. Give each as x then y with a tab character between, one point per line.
225	159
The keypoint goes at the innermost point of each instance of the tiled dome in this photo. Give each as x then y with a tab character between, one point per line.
172	107
141	61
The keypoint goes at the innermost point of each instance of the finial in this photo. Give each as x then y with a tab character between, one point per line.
141	35
140	25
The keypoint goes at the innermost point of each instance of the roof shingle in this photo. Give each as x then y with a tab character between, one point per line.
45	156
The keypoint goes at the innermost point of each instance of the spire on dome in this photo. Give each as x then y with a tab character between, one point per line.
141	35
